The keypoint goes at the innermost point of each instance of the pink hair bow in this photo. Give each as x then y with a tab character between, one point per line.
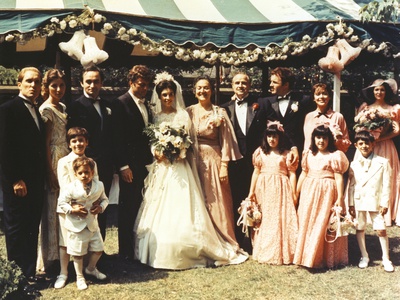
278	124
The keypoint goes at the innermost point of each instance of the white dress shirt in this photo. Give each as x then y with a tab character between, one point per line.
241	114
141	106
31	110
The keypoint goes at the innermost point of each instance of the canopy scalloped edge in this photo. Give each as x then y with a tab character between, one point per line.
210	53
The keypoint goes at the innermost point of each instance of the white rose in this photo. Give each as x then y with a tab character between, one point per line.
196	53
125	37
9	37
132	31
107	26
72	23
177	142
121	31
98	18
108	111
50	33
54	20
63	24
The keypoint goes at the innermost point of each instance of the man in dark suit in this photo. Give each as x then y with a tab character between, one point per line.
96	116
22	159
241	111
133	154
287	107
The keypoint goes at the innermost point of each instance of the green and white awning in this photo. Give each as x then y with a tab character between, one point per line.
219	22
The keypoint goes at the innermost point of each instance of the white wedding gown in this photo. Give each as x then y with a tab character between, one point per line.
173	229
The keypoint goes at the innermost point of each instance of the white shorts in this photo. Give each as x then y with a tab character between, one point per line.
79	243
378	222
62	232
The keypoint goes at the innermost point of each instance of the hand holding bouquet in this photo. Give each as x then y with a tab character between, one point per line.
168	141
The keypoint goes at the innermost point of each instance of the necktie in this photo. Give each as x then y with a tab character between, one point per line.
365	163
142	101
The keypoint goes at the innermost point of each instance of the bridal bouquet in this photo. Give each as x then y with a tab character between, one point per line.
168	140
373	120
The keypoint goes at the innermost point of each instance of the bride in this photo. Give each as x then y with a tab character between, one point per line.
173	229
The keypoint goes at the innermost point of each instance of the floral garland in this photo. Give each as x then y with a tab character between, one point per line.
88	19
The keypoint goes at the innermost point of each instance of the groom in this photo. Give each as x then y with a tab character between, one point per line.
132	154
287	107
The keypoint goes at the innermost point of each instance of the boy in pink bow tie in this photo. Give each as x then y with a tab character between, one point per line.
369	192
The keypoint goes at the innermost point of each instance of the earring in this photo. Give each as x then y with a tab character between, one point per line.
331	62
93	55
347	52
74	46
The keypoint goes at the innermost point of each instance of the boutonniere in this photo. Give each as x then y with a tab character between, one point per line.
295	106
108	111
255	106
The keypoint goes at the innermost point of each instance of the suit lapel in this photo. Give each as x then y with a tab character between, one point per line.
93	114
275	106
130	102
29	117
231	108
373	169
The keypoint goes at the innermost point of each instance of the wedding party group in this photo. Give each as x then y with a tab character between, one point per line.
199	186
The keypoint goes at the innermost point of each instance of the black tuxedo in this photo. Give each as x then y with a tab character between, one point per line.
132	150
22	148
82	113
292	121
240	171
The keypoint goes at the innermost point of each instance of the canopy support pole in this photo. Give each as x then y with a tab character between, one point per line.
217	81
336	92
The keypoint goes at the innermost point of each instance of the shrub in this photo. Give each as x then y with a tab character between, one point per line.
10	277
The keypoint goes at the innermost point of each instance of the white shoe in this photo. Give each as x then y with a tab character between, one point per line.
61	281
81	284
96	273
363	262
387	266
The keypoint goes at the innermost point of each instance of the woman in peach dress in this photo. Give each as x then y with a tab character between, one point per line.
324	114
378	96
320	186
217	145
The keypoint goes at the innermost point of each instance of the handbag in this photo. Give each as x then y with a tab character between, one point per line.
250	215
338	225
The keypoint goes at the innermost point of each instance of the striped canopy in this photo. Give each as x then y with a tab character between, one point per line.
218	22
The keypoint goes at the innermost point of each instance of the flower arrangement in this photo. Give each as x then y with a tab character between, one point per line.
216	118
171	142
375	121
345	224
250	215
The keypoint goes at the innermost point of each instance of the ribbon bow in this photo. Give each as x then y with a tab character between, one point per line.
278	124
321	114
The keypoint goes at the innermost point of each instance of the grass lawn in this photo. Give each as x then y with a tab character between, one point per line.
249	280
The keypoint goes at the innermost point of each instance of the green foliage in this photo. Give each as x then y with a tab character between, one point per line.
380	11
10	277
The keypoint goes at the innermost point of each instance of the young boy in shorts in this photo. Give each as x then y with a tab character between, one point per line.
369	193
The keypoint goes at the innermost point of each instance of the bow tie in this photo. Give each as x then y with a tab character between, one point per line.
321	114
240	102
286	97
29	103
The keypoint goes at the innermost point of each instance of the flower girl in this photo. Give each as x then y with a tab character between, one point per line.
321	187
272	186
